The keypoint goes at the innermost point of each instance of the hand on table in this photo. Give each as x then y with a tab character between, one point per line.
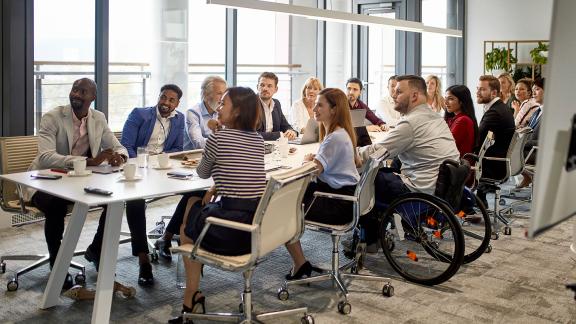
373	128
290	134
309	157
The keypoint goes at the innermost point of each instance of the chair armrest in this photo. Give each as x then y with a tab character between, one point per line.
231	224
532	151
334	196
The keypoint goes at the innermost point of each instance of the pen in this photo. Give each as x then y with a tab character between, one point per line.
59	170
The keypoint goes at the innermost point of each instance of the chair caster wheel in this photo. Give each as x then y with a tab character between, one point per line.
344	307
307	319
241	308
12	285
502	202
283	294
507	230
154	257
80	279
488	249
495	236
3	267
388	290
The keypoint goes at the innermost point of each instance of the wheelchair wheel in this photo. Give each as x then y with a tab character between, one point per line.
422	239
477	229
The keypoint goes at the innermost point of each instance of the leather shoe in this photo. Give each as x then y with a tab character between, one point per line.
68	282
163	247
146	278
91	256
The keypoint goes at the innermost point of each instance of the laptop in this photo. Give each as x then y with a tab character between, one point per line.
362	136
311	133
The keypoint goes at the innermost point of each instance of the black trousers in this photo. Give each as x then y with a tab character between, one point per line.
55	209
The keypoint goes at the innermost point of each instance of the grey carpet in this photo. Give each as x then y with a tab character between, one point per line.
521	281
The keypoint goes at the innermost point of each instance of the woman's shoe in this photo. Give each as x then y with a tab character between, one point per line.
305	270
198	306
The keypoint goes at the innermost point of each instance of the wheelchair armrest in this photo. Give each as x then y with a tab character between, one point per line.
472	156
334	196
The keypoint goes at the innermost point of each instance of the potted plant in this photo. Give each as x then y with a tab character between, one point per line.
499	59
539	54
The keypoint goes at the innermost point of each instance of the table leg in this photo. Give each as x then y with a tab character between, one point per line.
108	256
65	254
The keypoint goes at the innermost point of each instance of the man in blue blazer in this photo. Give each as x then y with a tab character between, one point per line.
159	129
272	120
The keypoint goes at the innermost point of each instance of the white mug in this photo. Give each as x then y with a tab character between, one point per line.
129	171
163	160
79	166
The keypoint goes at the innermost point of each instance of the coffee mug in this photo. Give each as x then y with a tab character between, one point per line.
79	166
129	171
163	160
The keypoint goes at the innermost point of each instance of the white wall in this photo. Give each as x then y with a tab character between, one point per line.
501	20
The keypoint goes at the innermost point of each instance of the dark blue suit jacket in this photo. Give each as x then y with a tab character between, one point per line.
279	123
140	124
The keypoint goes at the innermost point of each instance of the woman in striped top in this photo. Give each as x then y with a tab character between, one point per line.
337	173
234	158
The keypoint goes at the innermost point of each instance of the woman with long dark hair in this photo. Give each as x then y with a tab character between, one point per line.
461	119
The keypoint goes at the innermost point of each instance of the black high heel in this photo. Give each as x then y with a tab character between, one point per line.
305	270
196	304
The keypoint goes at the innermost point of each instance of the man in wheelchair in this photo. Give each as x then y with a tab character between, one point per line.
421	141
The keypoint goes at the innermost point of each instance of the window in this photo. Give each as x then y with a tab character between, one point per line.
63	50
433	45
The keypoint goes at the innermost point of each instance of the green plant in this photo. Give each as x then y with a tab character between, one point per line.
536	54
499	59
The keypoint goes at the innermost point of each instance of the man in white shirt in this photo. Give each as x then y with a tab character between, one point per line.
198	117
273	121
385	109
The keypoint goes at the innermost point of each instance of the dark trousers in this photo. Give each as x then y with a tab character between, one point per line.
388	187
55	209
178	216
136	218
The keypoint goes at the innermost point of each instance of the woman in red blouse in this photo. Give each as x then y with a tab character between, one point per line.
459	114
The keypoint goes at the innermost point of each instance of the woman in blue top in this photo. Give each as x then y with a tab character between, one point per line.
336	164
234	158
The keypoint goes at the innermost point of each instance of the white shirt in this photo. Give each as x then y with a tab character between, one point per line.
488	105
385	110
299	115
268	115
159	133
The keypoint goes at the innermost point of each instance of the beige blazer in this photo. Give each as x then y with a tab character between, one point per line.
56	134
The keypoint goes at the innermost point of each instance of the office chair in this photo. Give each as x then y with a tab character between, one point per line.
278	220
363	201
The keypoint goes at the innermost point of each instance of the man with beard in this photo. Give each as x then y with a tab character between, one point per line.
161	130
67	133
273	122
202	118
421	140
353	91
498	119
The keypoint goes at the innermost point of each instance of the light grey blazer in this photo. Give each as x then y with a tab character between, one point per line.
56	134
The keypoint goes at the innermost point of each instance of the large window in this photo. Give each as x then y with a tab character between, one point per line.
381	60
63	50
433	45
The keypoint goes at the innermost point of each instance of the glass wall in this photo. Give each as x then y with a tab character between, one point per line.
434	13
63	50
381	60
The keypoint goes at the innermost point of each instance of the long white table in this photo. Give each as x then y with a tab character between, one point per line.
154	183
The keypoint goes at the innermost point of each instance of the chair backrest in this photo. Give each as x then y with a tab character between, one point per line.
452	176
280	214
365	191
516	150
16	155
488	141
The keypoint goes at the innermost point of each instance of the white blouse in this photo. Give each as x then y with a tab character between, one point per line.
299	115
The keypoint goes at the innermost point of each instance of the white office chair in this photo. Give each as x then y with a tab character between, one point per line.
363	201
278	219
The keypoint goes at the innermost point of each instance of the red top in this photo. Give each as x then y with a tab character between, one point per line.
462	128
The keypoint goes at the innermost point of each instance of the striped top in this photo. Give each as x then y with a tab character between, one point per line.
235	160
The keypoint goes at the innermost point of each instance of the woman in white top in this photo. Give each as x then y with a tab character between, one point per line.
302	109
434	89
336	168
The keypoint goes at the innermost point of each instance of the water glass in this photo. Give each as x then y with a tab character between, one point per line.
180	272
142	157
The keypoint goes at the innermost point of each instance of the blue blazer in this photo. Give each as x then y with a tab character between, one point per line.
140	124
